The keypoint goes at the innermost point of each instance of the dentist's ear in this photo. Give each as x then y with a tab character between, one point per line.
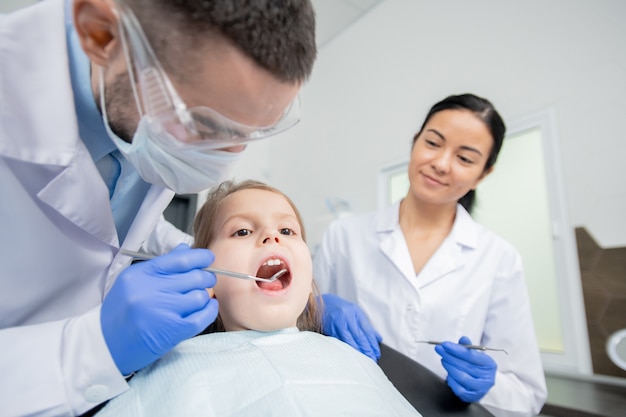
96	25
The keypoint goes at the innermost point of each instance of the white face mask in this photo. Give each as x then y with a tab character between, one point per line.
163	160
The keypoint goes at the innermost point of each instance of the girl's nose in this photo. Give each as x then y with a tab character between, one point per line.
269	239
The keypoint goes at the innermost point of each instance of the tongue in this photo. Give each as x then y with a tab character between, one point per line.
266	271
270	286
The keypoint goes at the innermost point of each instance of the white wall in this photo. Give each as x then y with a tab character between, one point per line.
7	6
373	84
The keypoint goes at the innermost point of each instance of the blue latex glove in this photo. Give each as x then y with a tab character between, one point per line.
347	322
471	373
156	304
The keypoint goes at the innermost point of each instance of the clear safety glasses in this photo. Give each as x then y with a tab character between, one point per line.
200	127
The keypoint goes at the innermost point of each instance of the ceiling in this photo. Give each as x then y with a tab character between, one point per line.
333	16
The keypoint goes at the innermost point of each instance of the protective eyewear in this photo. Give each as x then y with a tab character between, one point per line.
201	126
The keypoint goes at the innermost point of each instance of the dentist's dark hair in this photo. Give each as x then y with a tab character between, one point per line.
485	111
278	35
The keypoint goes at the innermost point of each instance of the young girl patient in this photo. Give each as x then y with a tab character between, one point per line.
264	355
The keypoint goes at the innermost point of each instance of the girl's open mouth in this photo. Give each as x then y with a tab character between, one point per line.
269	268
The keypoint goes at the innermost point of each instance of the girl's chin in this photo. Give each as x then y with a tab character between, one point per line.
276	325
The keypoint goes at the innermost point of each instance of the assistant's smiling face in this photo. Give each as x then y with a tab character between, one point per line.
448	157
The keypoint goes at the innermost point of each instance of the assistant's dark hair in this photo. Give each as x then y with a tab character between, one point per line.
485	111
279	35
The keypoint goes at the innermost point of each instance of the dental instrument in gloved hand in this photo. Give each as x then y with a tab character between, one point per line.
477	347
154	305
345	321
471	373
144	257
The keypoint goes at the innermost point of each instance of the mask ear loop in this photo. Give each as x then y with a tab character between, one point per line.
103	105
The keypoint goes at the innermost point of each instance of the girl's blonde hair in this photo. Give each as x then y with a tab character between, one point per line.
203	231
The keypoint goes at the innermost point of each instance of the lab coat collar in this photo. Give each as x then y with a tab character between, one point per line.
448	258
451	255
79	194
389	218
392	242
465	229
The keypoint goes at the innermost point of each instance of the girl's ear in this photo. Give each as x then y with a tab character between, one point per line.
96	24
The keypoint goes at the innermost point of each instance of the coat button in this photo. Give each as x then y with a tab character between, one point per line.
97	393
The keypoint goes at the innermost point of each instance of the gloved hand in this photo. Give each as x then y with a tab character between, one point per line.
156	304
471	373
347	322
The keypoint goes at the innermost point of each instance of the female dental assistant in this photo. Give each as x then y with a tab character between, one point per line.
87	167
423	270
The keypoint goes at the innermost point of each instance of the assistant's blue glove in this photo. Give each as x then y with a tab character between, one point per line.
156	304
347	322
471	373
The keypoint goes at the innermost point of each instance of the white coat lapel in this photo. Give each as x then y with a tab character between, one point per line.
155	203
145	222
447	259
450	256
392	242
83	201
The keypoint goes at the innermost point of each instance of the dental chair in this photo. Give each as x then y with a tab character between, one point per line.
426	391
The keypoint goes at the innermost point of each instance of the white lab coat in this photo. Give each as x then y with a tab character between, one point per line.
472	286
59	242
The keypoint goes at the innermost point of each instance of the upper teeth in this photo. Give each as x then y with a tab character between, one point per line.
272	262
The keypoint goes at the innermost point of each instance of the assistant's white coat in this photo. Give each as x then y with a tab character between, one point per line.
472	286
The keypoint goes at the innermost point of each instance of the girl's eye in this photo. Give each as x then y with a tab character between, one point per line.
287	232
242	232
